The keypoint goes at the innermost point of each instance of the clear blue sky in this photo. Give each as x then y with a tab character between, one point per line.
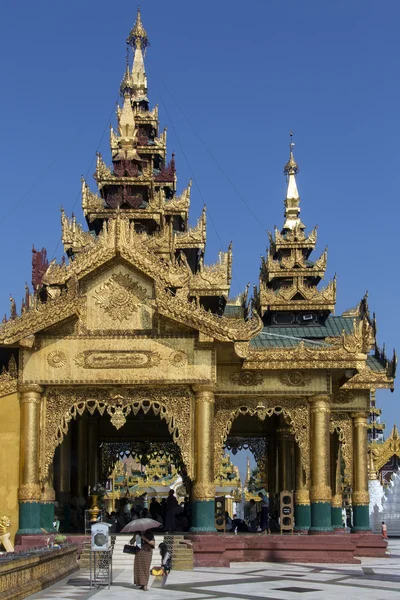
243	74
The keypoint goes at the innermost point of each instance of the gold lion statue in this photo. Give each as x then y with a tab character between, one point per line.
5	523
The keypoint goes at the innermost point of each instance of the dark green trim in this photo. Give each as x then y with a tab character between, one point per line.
47	516
29	518
302	517
203	516
321	517
360	519
336	517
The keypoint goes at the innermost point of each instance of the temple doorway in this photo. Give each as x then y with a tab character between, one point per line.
276	464
123	464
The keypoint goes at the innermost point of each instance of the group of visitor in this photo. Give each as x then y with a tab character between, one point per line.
171	515
258	518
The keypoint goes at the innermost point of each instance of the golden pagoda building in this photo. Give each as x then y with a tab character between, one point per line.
132	342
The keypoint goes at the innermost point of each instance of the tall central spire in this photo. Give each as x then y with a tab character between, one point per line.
292	201
135	81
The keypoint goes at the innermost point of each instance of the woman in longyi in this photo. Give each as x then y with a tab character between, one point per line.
141	568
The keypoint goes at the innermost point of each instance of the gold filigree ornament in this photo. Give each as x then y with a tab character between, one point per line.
119	296
247	378
118	415
56	359
178	359
295	378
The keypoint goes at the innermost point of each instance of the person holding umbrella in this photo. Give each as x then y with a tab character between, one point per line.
141	568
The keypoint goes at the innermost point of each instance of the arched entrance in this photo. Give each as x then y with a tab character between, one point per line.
278	437
93	429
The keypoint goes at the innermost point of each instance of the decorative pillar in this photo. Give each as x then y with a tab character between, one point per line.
285	456
47	502
93	474
320	462
302	509
64	477
336	484
29	493
360	495
81	449
203	489
272	474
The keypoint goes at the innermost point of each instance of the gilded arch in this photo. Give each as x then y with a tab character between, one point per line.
295	411
173	405
342	424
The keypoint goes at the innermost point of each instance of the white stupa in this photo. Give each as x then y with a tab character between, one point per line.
390	510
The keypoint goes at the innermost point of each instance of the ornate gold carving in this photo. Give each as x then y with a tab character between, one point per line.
48	494
295	411
5	523
8	378
343	397
118	296
302	497
383	452
204	393
30	392
337	501
366	379
320	493
56	359
178	359
360	498
173	405
247	378
117	359
29	492
342	424
203	491
295	378
118	415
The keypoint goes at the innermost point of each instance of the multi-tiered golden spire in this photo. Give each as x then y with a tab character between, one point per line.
288	279
292	201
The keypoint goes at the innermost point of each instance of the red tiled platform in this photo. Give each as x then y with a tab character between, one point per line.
215	550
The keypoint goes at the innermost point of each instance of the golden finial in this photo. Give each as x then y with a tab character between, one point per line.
291	167
138	34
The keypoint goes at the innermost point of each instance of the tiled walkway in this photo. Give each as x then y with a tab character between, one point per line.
375	579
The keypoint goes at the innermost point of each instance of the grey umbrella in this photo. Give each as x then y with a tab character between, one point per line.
140	525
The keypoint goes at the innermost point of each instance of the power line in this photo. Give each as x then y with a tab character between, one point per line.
88	170
211	154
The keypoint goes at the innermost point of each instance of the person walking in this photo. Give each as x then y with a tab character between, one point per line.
141	568
171	506
384	530
264	511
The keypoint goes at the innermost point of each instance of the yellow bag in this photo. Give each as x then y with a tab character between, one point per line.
157	571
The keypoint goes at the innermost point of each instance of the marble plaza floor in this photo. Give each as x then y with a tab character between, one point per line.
377	579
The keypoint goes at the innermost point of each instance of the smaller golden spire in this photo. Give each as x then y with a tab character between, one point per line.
292	201
138	34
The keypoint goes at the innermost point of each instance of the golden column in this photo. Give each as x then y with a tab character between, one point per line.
302	495
320	465
29	492
360	495
285	456
64	474
336	483
82	456
203	489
